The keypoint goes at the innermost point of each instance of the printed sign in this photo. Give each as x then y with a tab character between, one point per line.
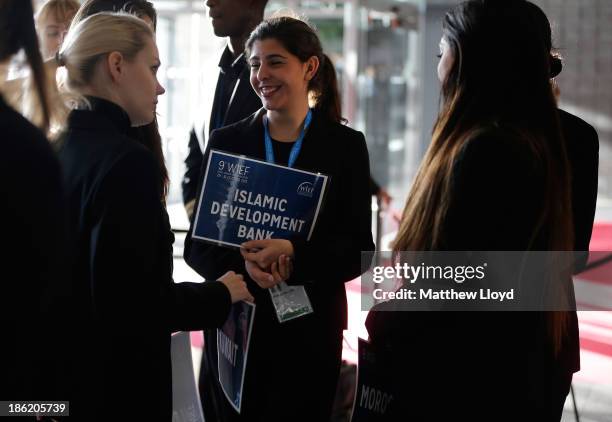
232	351
245	199
374	395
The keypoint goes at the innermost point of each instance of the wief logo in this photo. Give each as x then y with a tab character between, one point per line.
305	189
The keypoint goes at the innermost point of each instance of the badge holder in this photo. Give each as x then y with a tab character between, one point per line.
290	302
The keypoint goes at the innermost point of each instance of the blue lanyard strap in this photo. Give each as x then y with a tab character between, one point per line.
295	150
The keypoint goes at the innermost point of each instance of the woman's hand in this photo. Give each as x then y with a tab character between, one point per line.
278	272
236	286
266	251
282	269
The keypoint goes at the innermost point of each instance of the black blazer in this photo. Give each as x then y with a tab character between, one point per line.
583	152
488	361
333	255
243	103
35	283
128	304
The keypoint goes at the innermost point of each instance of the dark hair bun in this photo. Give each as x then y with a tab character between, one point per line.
556	66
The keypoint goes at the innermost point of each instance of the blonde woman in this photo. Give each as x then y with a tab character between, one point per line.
52	23
128	302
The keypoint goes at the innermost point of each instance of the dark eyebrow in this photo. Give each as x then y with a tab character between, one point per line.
275	56
52	27
269	57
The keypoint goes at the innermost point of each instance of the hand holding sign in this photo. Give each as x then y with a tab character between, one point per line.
266	278
248	199
236	286
266	251
282	269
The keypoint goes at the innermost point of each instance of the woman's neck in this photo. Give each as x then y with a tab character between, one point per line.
92	91
286	125
107	95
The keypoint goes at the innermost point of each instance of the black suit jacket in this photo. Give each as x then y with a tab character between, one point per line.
243	103
310	344
479	363
582	145
333	255
128	304
35	284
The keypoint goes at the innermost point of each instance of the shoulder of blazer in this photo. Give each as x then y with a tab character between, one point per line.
346	133
19	134
339	137
88	148
578	132
249	127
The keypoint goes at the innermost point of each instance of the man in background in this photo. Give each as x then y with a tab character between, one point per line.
232	100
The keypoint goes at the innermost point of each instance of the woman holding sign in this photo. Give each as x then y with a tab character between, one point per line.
127	304
293	365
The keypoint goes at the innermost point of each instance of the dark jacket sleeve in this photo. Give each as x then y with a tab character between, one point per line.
583	156
35	294
206	259
337	253
195	306
374	187
125	247
193	164
50	226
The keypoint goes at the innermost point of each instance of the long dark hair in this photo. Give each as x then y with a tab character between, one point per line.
499	76
541	21
18	31
299	39
147	135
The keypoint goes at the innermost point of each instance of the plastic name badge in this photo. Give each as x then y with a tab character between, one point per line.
290	302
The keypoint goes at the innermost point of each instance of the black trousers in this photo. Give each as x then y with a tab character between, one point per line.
292	374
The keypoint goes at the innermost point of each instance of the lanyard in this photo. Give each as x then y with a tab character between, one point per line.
295	150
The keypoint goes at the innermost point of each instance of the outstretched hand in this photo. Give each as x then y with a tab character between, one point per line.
236	286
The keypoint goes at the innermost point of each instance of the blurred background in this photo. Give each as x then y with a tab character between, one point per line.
385	55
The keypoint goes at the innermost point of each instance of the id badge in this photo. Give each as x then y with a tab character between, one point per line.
290	302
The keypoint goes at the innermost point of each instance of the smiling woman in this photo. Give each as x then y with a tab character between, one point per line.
289	376
288	66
